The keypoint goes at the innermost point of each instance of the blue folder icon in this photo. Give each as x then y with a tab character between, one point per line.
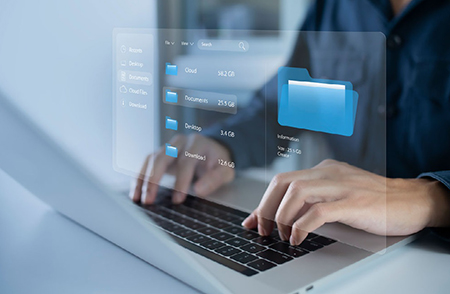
171	151
171	124
320	105
171	97
171	69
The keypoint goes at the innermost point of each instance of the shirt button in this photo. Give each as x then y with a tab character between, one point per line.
394	41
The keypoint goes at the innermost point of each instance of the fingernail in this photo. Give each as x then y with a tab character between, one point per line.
245	222
144	197
177	198
262	231
133	190
293	241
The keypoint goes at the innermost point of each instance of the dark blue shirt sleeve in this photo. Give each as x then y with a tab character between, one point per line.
441	176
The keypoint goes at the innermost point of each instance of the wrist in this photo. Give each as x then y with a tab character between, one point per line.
438	197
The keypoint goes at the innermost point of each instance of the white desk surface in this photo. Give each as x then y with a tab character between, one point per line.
41	251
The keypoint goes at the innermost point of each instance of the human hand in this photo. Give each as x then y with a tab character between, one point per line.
210	174
299	202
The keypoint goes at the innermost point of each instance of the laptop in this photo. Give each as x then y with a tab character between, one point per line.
199	242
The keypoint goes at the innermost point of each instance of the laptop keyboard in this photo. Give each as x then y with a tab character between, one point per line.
215	232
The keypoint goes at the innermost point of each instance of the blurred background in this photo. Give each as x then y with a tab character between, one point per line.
56	58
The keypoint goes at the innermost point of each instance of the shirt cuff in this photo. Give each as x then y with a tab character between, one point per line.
441	176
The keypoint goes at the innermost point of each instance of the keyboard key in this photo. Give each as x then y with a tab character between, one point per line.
195	225
195	204
323	240
177	218
222	236
217	258
234	230
227	250
265	240
184	221
310	246
288	249
171	227
249	235
164	213
261	265
153	208
158	220
207	220
198	238
237	242
172	216
208	231
311	236
184	233
215	212
213	244
220	224
274	256
230	218
194	215
237	222
244	257
275	235
180	209
253	248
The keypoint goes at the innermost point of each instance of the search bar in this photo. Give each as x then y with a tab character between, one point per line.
223	45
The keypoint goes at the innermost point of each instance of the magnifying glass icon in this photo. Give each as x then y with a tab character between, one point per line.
242	46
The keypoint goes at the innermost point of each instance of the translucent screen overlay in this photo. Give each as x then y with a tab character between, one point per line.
281	106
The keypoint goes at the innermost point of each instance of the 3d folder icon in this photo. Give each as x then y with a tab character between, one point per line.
320	105
171	151
171	97
171	69
171	124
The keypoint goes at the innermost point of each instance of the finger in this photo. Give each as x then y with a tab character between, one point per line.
298	194
275	193
140	181
159	167
251	222
315	217
212	180
184	175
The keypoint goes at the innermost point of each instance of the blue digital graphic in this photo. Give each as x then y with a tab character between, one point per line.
171	151
319	105
171	124
171	69
171	97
